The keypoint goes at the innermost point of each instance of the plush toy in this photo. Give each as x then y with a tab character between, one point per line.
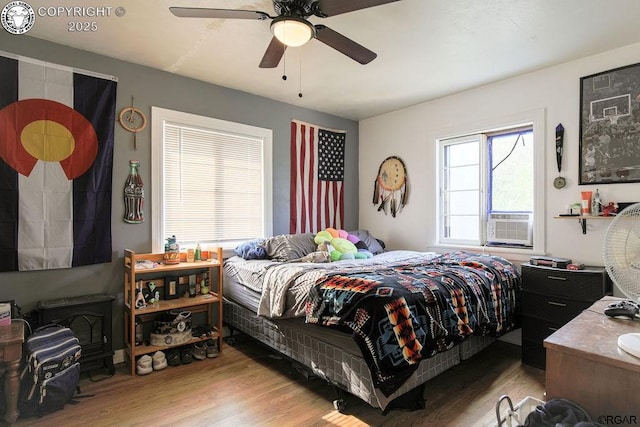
341	245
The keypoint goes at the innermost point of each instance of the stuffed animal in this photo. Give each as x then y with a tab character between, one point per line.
341	245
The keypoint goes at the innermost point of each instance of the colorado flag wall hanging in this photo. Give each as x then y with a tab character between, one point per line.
56	161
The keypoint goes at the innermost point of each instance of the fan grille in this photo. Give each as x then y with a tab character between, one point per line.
621	252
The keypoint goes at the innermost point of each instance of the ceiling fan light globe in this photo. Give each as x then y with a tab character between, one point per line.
292	31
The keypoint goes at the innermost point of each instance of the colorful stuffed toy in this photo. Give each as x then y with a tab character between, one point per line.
341	245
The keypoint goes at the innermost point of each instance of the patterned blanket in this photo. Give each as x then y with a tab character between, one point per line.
403	314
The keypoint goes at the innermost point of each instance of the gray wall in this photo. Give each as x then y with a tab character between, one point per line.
152	87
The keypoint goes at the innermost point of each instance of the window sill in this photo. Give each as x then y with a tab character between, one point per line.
510	253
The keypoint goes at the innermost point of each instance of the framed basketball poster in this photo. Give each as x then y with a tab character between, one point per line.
610	126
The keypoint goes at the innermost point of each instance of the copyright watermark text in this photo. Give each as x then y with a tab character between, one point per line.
618	419
75	11
18	17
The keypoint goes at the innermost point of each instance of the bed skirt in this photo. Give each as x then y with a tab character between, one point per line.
337	360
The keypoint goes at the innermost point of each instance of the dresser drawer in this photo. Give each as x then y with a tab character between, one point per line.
534	354
537	330
586	285
552	308
534	332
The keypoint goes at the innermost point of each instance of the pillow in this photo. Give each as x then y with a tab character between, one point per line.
374	245
287	247
317	256
253	249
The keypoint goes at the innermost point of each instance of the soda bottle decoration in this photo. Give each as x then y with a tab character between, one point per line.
133	195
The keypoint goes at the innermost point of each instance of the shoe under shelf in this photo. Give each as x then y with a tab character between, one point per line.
142	349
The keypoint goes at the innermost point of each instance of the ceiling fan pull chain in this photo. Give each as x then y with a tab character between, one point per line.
284	66
300	92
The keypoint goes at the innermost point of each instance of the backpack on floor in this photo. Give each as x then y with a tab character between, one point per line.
51	370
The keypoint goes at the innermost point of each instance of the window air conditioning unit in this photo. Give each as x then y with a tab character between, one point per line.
510	228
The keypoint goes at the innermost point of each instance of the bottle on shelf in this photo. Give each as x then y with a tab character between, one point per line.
596	208
171	251
204	284
198	254
192	285
139	333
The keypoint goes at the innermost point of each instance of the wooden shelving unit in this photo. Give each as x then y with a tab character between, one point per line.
197	304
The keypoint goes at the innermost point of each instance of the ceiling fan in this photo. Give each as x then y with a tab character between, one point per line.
291	28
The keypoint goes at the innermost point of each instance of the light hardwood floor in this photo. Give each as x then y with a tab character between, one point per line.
247	385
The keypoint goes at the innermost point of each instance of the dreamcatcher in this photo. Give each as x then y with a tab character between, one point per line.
391	188
133	120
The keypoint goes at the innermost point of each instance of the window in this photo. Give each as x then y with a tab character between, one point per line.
211	180
511	171
487	179
461	190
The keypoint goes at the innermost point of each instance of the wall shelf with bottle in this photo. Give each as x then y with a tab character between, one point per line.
591	207
172	286
582	219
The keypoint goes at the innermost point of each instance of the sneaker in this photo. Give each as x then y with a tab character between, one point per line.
143	366
199	351
204	331
212	348
159	361
185	355
173	357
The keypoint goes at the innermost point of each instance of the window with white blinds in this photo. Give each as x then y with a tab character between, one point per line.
212	180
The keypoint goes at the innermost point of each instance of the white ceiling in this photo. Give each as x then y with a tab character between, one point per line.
426	48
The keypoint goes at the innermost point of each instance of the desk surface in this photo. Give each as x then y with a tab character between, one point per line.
594	336
585	365
12	333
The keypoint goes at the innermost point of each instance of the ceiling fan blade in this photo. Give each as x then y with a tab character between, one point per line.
344	45
198	12
336	7
274	53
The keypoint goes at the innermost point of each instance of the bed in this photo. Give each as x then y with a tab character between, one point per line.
378	327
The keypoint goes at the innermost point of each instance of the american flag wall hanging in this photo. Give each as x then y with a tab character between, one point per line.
317	178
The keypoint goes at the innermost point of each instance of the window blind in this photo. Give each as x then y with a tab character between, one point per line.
212	185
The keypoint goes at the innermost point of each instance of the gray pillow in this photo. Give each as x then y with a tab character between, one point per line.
375	246
287	247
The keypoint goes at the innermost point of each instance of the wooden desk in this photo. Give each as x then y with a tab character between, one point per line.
11	339
585	365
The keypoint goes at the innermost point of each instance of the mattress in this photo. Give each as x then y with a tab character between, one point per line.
283	287
236	292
